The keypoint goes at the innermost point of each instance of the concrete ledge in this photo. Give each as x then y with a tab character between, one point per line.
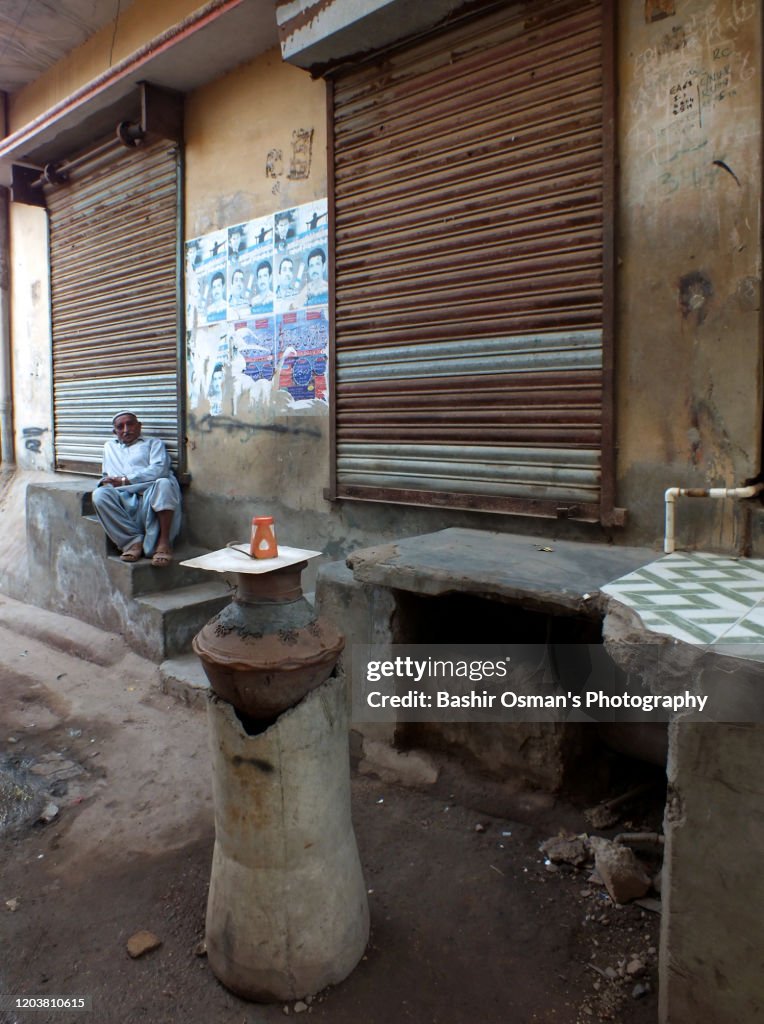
371	614
184	679
557	577
314	35
163	624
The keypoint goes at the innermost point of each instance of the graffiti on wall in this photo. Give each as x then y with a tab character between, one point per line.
682	85
257	321
33	438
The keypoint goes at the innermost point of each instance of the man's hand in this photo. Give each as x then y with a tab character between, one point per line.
114	481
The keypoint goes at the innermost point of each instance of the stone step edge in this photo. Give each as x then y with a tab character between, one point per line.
191	595
183	678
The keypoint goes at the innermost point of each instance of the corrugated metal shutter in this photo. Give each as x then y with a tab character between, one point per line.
114	298
469	221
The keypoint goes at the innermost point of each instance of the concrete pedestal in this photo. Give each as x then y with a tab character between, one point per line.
712	928
287	912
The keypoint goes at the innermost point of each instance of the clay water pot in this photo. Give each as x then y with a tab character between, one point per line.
267	649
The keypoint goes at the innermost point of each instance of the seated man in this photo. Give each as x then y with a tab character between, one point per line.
138	499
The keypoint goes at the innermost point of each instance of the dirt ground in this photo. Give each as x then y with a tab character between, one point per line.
468	921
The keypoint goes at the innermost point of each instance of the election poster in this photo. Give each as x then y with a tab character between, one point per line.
265	283
302	339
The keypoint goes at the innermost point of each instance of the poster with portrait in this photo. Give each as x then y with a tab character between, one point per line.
208	356
236	291
237	243
312	252
301	257
192	266
212	277
288	268
302	342
257	263
257	296
284	230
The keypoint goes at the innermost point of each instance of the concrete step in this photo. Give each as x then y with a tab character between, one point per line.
93	530
135	578
165	622
73	566
184	679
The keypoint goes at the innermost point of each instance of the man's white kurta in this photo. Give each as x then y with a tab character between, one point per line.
128	514
143	461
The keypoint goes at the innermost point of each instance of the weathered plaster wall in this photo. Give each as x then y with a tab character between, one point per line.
30	318
141	21
689	282
260	451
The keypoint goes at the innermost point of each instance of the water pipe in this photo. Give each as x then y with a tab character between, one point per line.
669	543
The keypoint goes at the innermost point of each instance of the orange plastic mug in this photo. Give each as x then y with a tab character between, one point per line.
263	539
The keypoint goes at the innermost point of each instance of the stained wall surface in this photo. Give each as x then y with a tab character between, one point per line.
256	448
30	305
689	280
710	960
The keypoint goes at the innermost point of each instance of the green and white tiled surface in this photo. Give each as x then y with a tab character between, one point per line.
698	598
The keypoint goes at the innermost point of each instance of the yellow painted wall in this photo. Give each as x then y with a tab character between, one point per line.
141	22
260	444
232	125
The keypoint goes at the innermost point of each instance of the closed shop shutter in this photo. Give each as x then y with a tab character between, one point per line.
471	206
114	299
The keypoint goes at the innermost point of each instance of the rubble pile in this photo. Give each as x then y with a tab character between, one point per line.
620	899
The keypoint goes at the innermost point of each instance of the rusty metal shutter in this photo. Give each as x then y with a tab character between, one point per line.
471	244
114	299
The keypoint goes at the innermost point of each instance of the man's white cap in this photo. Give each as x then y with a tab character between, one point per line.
125	412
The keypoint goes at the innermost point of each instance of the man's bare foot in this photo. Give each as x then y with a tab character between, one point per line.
162	557
133	553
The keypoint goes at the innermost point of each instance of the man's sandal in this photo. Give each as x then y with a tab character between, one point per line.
132	554
161	558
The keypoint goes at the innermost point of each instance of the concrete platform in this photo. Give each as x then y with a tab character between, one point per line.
554	576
